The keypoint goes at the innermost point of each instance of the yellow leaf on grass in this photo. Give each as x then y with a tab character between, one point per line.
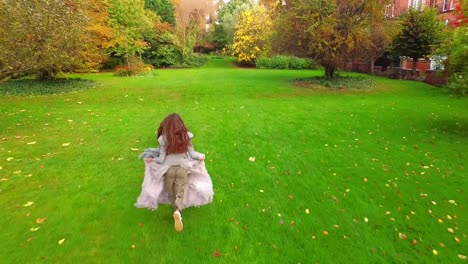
32	143
401	236
60	242
435	252
252	159
450	230
28	204
3	179
66	144
307	211
34	229
460	256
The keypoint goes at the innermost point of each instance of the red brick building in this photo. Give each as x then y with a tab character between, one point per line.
446	8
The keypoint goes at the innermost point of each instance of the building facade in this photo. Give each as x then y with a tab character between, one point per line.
446	8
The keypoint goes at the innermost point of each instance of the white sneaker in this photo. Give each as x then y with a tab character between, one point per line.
178	221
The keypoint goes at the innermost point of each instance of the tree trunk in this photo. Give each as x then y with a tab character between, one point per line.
330	69
46	75
372	70
415	64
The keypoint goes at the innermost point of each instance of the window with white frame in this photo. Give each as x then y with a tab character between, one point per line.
389	11
446	5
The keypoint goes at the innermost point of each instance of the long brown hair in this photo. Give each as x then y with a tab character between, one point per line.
176	134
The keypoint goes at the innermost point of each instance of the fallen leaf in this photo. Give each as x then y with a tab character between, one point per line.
9	158
252	159
133	246
414	242
290	197
336	226
441	220
40	220
460	256
60	242
435	252
449	217
456	239
366	180
307	211
217	254
66	144
32	143
28	204
401	236
3	179
261	191
17	172
34	229
452	201
325	232
134	149
366	220
450	230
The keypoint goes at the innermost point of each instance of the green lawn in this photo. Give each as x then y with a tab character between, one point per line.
338	177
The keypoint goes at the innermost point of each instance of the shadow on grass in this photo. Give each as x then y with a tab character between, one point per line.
454	127
29	87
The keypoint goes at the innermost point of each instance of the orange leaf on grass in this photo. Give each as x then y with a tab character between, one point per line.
40	220
217	254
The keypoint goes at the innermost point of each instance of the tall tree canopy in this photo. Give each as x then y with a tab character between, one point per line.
132	23
163	8
420	34
42	37
329	31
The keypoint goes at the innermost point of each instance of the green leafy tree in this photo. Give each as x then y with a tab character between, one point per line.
162	8
40	37
330	32
218	36
455	49
132	24
421	33
251	36
162	51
